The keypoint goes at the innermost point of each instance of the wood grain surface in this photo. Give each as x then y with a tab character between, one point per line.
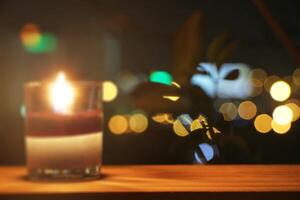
175	180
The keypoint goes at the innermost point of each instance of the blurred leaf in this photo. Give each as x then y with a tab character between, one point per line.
149	97
215	46
188	48
226	53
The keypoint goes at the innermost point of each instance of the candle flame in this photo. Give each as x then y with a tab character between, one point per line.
62	94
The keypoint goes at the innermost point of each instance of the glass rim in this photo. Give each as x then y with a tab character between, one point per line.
30	84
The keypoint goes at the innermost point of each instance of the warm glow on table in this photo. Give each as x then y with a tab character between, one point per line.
164	182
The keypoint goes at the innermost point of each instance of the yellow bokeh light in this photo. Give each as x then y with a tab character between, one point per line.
262	123
280	129
280	91
30	35
270	81
176	84
165	118
257	87
296	77
229	111
172	98
110	91
62	94
258	74
283	115
138	123
118	124
247	110
179	129
296	110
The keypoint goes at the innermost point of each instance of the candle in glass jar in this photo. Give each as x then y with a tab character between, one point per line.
63	129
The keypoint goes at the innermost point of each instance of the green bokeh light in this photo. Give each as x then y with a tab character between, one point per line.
162	77
46	44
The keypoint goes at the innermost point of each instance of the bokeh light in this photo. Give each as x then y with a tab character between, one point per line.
185	120
162	77
262	123
283	115
23	110
195	125
247	110
176	84
280	91
229	111
257	78
279	128
118	124
258	74
164	118
171	98
36	42
30	35
270	81
296	77
110	91
289	80
138	123
257	87
180	129
206	153
296	110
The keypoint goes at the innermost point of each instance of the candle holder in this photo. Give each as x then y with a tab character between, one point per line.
63	129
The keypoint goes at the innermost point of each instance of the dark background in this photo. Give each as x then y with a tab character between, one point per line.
144	31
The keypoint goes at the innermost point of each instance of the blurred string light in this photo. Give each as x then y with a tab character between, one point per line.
162	77
296	77
283	115
229	111
262	123
279	128
36	42
247	110
138	123
110	91
204	153
118	124
280	91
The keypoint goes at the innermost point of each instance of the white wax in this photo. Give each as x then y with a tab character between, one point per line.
61	152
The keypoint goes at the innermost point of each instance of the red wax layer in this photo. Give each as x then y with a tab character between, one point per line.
52	124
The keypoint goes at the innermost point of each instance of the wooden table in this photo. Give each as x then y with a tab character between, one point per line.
163	182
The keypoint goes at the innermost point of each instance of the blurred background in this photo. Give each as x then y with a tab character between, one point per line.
194	81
